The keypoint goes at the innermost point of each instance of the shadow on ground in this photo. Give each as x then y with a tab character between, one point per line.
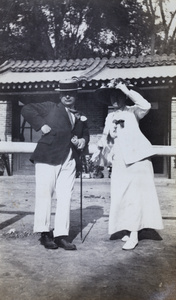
144	234
90	215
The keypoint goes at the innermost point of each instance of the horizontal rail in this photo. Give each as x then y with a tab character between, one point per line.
165	150
24	147
17	147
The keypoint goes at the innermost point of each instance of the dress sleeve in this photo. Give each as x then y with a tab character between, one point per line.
141	106
108	122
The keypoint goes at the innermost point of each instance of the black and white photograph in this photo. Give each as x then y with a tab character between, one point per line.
87	150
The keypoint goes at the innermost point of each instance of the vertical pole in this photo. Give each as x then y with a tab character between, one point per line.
81	197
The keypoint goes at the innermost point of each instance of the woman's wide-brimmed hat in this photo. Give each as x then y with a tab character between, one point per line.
68	85
104	92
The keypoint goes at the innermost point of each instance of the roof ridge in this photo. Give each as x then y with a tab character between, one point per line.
90	66
97	68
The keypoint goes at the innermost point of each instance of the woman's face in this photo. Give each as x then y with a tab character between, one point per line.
118	99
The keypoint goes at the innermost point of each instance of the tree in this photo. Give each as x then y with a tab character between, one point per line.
24	31
162	20
130	35
70	29
96	27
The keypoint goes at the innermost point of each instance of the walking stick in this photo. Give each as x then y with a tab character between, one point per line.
81	196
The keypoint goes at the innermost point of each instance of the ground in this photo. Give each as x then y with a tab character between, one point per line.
99	269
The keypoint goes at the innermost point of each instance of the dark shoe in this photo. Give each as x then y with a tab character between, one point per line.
62	242
47	241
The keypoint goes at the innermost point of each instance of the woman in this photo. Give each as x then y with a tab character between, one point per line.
134	201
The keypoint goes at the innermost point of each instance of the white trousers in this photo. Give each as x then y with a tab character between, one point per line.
60	179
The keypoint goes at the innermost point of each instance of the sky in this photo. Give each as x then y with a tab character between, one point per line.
169	7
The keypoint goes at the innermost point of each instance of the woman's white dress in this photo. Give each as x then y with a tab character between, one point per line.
134	201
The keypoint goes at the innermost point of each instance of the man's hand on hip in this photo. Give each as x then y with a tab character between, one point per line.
45	129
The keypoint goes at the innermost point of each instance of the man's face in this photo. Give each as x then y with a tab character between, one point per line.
68	98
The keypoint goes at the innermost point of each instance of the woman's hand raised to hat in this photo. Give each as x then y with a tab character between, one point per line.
121	86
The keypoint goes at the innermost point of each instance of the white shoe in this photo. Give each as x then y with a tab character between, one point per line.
125	238
130	244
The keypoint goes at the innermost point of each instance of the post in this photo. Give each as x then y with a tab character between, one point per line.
81	193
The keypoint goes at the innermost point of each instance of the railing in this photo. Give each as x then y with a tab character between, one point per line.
7	148
23	147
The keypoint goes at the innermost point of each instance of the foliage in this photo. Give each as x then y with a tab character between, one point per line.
70	29
88	167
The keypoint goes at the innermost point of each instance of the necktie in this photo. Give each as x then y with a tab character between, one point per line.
72	110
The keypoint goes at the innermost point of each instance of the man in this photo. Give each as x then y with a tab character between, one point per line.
64	136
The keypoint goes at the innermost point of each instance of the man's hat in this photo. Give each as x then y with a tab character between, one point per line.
68	85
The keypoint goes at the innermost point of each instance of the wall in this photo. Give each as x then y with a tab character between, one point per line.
6	129
95	112
5	120
173	136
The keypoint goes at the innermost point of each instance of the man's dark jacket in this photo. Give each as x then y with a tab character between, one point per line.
53	147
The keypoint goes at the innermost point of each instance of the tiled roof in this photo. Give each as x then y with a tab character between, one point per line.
18	76
90	65
135	65
47	66
142	61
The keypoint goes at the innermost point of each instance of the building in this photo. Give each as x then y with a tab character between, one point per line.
22	82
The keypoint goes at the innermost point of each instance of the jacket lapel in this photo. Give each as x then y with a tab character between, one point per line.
64	113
